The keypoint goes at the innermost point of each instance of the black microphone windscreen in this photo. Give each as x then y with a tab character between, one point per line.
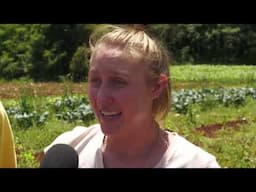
60	156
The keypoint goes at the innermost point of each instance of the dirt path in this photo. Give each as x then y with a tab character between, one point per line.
15	90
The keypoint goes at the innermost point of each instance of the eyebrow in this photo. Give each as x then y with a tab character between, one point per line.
113	72
120	73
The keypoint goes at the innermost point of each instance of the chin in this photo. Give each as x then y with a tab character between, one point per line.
109	129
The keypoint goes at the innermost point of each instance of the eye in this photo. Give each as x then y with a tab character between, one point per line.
94	81
118	82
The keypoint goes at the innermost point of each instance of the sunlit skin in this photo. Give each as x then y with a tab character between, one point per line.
117	86
122	102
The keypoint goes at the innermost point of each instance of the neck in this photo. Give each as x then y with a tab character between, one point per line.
134	147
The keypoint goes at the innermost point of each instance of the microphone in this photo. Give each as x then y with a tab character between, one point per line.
60	156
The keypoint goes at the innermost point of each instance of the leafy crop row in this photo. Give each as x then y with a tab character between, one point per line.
183	99
76	108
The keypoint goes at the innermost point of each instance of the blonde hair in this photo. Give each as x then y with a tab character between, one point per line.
136	42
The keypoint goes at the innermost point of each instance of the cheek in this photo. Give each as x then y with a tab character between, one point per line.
138	99
130	99
92	95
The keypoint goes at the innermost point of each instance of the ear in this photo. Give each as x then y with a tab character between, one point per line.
161	84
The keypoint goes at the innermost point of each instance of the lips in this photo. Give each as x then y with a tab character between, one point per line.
110	113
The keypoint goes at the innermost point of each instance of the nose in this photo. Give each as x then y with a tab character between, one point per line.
104	96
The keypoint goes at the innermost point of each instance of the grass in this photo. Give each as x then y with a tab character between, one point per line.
203	76
30	142
233	147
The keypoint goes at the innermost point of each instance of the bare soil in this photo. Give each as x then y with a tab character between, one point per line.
210	130
15	90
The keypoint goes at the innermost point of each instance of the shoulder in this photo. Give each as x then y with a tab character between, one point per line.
86	141
76	135
186	154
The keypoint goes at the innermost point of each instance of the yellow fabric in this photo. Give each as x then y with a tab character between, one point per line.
7	146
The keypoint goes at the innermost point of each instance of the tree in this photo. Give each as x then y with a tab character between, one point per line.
79	64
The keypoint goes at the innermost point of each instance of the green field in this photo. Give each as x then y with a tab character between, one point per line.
193	76
214	108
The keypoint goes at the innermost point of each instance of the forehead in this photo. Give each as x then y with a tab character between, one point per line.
115	58
111	51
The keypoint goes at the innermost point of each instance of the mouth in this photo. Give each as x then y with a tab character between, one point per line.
110	114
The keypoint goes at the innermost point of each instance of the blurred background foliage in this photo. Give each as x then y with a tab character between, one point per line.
47	52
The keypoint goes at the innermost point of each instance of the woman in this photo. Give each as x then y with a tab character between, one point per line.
129	91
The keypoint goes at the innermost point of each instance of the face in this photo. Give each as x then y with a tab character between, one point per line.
118	92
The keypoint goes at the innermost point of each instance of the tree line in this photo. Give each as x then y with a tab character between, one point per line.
47	52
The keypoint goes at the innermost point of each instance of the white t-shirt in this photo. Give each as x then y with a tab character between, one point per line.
87	141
